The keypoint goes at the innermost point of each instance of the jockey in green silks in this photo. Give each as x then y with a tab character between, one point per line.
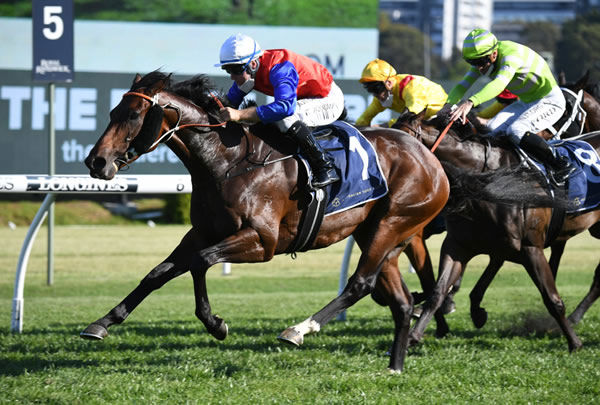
526	74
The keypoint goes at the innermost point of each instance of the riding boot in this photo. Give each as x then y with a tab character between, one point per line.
320	162
540	150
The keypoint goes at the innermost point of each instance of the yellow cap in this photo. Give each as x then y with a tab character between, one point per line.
377	71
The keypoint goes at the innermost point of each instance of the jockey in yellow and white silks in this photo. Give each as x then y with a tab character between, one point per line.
398	92
526	74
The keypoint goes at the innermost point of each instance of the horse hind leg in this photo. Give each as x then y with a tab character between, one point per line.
361	283
539	270
176	264
588	300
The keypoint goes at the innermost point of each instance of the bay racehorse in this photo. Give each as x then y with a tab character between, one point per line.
587	122
418	254
247	201
513	232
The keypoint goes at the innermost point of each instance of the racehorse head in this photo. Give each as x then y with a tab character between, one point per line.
134	125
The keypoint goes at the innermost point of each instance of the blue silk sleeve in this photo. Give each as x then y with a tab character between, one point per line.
284	79
235	95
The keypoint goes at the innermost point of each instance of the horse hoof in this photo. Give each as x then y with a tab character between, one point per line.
221	329
448	306
94	332
413	340
417	311
392	371
291	336
479	317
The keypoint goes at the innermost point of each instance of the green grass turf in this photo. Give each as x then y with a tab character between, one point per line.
162	353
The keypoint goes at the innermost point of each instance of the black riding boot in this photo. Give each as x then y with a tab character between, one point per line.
320	162
540	150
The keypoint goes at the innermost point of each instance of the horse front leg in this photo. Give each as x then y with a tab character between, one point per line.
176	264
419	257
478	314
395	293
244	246
539	270
589	299
557	248
451	268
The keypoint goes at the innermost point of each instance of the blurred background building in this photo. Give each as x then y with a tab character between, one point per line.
447	22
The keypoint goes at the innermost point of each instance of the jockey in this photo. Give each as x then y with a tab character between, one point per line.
400	92
502	100
304	93
526	74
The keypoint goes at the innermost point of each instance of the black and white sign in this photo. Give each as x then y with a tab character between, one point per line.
53	40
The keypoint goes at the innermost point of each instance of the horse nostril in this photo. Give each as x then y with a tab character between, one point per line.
98	163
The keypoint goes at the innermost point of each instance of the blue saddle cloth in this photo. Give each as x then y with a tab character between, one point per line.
584	184
356	162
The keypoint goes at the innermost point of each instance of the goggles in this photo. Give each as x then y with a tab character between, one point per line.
479	62
374	88
236	69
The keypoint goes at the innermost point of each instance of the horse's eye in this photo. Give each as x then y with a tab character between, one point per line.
133	115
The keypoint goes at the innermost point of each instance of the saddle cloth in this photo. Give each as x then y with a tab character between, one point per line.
584	184
356	162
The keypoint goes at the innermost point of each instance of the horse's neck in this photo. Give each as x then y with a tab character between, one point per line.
467	154
203	148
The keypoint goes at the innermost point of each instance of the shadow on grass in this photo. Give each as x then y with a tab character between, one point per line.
59	346
43	348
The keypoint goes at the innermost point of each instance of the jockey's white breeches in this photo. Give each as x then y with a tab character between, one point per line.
518	118
316	111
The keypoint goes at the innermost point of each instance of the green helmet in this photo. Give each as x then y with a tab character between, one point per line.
478	43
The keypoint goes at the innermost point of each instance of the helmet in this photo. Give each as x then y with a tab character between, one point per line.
479	43
239	49
377	71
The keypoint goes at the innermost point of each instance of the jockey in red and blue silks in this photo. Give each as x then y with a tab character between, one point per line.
304	93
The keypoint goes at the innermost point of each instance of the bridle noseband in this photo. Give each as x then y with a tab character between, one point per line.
132	155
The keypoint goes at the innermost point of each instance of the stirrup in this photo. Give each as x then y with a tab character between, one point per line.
559	177
324	178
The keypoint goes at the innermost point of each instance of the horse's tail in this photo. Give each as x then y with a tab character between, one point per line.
510	186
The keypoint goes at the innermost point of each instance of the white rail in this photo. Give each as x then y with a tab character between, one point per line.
78	184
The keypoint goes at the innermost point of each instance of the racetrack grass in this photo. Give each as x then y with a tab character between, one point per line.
162	353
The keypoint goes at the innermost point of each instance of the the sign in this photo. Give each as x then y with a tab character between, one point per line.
53	40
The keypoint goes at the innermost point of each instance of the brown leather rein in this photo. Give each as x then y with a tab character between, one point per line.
168	134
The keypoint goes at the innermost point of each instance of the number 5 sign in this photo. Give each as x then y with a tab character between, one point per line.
53	40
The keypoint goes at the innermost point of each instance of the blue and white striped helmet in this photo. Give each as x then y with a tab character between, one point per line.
239	49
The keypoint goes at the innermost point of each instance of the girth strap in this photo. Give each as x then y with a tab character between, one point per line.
310	223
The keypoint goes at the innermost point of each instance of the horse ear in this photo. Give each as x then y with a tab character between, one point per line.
137	78
161	84
562	79
582	82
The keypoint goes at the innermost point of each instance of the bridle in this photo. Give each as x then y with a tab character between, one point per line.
168	134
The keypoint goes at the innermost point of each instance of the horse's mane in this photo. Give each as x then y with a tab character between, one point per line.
201	91
472	131
198	89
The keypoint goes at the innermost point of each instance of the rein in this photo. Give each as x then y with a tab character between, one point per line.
441	136
168	134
